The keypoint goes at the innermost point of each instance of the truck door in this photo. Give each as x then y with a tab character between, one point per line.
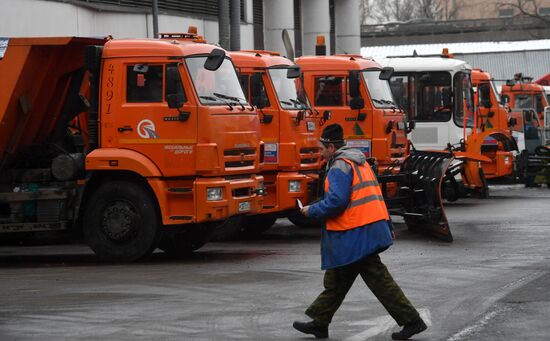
147	125
330	94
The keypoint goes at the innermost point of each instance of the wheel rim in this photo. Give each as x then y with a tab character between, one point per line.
120	221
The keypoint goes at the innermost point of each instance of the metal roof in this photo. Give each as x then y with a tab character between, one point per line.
424	64
501	59
462	48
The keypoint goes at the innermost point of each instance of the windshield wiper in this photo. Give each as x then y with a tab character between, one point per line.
299	103
210	98
231	98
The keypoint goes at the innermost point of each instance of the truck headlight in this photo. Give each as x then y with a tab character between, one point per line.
214	194
294	186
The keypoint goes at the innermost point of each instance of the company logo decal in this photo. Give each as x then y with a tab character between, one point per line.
146	130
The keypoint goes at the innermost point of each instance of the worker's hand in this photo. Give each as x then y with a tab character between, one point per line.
393	234
304	210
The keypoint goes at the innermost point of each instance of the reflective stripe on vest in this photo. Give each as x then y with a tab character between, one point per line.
366	204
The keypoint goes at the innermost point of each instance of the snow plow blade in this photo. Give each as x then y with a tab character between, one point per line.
418	196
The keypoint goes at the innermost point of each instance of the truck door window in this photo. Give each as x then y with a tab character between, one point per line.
143	83
174	84
539	107
399	86
329	91
243	79
464	100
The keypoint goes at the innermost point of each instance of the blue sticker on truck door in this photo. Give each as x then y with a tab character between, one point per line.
271	153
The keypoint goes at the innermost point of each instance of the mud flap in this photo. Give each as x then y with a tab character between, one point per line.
419	198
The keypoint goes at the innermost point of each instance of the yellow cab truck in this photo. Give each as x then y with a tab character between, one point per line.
134	143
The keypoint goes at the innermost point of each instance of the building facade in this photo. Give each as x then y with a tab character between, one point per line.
260	22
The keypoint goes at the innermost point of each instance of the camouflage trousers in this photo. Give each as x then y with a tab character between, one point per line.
338	281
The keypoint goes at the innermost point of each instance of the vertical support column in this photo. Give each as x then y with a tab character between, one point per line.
223	23
235	25
155	19
348	27
315	21
278	15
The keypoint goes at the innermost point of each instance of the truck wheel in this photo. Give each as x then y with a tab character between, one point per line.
184	241
121	223
228	229
301	221
256	225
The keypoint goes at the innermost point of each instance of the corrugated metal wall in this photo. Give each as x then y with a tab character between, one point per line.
503	65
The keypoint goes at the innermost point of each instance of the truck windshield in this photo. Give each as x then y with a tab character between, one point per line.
288	90
379	90
464	103
215	87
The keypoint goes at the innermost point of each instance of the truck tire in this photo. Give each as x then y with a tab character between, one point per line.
299	220
256	225
121	222
228	229
189	238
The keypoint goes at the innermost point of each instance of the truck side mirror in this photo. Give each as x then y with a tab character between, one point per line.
357	103
293	72
354	83
256	95
175	101
512	121
386	73
214	60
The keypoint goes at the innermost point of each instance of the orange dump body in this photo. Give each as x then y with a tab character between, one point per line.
289	130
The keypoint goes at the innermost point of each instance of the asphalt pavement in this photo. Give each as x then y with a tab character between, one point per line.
491	283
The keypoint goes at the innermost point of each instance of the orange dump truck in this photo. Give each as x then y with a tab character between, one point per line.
130	142
492	137
355	93
289	130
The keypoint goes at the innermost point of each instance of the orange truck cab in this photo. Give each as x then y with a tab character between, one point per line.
354	92
493	136
289	130
134	143
527	102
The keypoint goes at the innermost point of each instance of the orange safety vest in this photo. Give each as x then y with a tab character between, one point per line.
366	204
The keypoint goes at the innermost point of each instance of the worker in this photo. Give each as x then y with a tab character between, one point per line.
357	229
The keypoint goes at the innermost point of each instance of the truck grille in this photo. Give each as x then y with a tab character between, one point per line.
233	164
239	151
239	157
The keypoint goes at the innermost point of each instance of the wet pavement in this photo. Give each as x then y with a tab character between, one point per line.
491	283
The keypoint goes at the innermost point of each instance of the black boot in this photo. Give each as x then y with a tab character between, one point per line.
415	327
320	330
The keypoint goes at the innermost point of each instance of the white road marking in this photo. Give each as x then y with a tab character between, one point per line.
384	325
